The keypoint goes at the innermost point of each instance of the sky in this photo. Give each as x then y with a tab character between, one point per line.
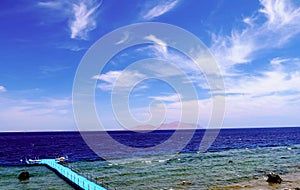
255	44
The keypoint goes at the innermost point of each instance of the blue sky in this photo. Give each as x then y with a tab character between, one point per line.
256	45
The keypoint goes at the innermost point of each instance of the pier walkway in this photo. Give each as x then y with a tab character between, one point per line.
76	180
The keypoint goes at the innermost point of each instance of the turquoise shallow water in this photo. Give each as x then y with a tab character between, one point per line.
204	170
168	171
41	178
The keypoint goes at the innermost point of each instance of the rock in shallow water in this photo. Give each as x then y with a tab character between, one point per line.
274	178
186	183
23	176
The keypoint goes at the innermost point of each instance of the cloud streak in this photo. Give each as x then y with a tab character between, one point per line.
119	80
168	98
160	44
50	4
160	9
124	39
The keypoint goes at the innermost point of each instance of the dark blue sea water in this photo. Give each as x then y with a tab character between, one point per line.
16	146
237	159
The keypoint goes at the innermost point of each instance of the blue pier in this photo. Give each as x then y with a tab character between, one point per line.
76	180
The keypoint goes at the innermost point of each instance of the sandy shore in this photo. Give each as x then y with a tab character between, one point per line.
290	181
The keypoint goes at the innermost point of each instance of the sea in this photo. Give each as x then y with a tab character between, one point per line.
236	159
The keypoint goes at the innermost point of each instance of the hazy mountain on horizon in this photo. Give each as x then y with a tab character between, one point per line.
175	125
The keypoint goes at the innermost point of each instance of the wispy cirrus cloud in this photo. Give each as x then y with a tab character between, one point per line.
262	93
271	27
73	46
50	4
119	80
168	98
179	64
280	79
272	91
162	46
81	15
84	14
124	39
159	9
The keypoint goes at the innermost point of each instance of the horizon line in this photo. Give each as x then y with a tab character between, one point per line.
124	130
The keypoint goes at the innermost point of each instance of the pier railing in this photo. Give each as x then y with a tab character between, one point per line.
82	181
90	177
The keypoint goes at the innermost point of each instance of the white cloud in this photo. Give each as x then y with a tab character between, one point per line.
280	13
119	80
124	39
46	114
2	89
49	102
174	58
290	65
84	20
81	15
253	98
269	83
160	9
277	61
109	77
203	61
174	65
162	45
50	4
162	70
73	46
272	96
180	65
279	79
168	98
280	25
241	110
